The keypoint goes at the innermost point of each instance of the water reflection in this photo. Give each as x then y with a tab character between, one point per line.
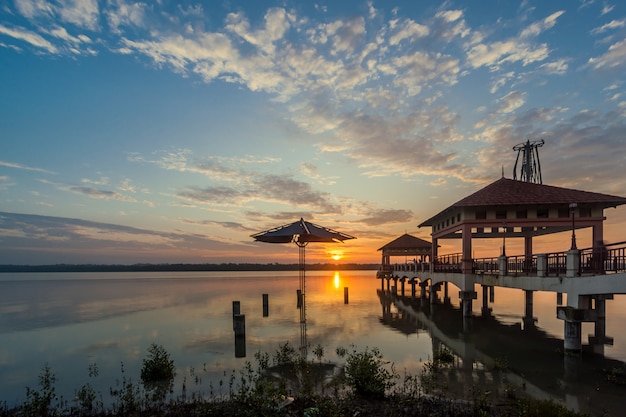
502	356
72	321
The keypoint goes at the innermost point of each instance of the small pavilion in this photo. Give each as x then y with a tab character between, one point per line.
406	246
510	208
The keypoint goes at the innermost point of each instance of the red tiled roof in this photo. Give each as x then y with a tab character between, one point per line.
504	192
407	241
508	192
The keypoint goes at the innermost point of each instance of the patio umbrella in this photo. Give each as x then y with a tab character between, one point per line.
301	233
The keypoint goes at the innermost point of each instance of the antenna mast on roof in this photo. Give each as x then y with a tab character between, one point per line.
531	167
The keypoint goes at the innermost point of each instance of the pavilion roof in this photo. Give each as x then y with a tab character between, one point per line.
508	192
407	242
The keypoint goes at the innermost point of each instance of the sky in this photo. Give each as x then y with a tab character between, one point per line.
171	131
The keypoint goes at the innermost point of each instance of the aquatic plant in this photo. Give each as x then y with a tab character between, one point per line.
366	373
158	372
39	402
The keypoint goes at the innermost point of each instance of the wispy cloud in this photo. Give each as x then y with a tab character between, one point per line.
23	167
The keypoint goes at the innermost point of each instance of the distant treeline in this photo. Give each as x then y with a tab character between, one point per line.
183	267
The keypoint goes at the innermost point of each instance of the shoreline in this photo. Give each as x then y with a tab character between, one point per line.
184	267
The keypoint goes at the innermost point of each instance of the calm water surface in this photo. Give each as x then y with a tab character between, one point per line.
73	321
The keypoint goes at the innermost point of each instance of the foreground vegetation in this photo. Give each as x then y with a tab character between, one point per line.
286	384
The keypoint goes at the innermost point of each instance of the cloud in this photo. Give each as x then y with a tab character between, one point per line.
24	167
512	101
614	58
537	28
380	217
613	24
29	37
70	240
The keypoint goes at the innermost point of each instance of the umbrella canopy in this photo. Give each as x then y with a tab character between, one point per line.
301	232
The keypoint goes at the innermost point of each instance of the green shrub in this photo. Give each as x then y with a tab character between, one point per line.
39	403
367	375
158	372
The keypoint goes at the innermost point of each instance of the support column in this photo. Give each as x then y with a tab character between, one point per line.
503	266
434	254
433	293
485	310
572	318
466	298
542	265
467	263
599	338
573	263
423	286
413	281
529	320
402	286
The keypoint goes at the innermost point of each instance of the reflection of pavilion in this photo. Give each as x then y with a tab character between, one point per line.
534	358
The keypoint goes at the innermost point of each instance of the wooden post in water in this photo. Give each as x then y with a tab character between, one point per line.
345	295
266	305
236	310
240	335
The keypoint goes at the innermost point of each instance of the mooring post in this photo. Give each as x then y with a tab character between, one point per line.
240	335
345	295
236	310
266	305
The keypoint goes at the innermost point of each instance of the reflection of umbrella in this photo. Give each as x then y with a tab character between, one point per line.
301	233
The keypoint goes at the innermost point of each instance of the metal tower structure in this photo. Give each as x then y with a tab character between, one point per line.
530	170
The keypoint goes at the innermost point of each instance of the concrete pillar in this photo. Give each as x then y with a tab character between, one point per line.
573	263
485	310
502	265
423	286
529	320
413	282
528	311
572	339
433	293
466	298
402	286
467	263
485	295
572	319
542	265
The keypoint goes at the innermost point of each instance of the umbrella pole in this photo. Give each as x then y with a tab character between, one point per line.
302	276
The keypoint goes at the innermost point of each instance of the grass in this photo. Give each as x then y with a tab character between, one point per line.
285	384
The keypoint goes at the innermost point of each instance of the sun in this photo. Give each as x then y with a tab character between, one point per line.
336	257
335	254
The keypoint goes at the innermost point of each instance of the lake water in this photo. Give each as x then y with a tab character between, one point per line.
75	322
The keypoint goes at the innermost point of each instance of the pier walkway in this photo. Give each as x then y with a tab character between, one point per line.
511	209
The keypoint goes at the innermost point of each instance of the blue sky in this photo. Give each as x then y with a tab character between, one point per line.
172	131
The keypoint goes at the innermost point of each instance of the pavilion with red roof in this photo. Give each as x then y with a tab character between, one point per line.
519	209
407	246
